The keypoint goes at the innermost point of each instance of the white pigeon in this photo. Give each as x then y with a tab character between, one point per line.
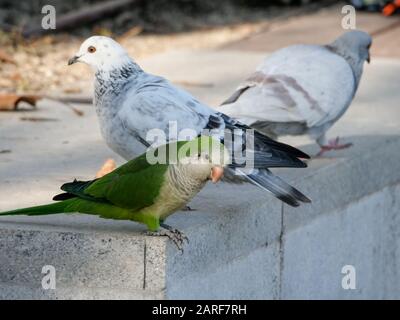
130	103
302	89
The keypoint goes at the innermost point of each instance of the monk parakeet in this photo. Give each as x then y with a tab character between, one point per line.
146	189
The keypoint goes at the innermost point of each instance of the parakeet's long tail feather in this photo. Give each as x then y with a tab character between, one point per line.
52	208
73	205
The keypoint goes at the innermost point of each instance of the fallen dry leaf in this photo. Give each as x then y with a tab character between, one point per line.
15	76
72	90
107	167
10	101
5	57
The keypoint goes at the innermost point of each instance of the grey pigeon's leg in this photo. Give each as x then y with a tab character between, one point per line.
173	234
331	145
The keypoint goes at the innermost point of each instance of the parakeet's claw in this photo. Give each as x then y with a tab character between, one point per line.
173	234
180	234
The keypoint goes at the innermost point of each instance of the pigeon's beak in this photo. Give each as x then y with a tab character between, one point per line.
73	60
216	173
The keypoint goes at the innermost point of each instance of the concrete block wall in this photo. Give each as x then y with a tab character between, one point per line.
243	243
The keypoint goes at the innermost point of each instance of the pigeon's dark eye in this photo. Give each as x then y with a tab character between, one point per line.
91	49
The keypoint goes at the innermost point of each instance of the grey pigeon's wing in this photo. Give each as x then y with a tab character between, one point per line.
305	84
160	106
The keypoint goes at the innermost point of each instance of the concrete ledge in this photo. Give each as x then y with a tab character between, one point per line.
243	243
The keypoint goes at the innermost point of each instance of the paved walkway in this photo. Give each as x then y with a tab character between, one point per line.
322	27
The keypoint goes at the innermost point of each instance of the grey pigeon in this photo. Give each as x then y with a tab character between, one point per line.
302	89
130	103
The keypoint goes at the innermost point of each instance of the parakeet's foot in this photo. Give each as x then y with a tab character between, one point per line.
175	235
107	167
333	145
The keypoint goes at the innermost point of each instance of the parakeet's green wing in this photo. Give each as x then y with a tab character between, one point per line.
134	185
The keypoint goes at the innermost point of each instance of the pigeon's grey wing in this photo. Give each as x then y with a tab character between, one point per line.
304	84
246	85
161	107
262	98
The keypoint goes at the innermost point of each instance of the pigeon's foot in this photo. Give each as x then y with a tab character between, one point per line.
173	234
333	145
107	167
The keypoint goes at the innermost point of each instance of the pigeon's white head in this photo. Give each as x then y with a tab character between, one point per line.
101	53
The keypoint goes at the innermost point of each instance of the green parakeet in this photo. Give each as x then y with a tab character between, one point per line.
146	189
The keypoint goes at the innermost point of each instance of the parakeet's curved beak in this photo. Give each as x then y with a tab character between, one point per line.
73	60
216	173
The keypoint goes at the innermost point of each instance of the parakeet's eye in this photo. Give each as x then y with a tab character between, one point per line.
91	49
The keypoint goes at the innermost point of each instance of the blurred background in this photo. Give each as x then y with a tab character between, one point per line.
144	27
48	128
32	57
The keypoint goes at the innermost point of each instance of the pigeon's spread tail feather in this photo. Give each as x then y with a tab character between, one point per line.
52	208
279	188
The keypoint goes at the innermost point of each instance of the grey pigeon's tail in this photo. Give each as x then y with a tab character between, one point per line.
279	188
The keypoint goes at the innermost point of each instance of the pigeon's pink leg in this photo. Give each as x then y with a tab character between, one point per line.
333	145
